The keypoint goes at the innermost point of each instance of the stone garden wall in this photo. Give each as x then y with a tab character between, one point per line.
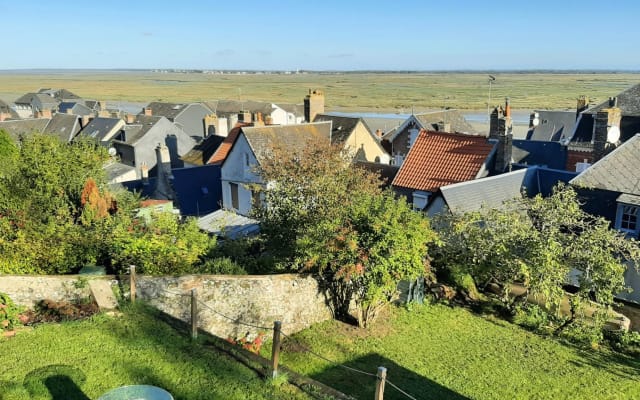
228	306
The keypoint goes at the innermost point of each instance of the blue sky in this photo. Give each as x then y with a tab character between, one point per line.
320	35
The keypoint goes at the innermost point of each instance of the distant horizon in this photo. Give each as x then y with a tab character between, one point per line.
303	71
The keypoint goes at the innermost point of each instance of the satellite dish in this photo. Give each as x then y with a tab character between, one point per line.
613	134
112	151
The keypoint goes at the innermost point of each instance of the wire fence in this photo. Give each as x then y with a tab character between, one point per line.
300	345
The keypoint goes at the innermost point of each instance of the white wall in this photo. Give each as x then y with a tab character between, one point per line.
235	170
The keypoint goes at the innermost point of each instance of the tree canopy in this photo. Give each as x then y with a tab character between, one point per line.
322	214
540	242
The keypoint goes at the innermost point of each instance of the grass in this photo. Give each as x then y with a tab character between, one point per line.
381	92
437	352
84	359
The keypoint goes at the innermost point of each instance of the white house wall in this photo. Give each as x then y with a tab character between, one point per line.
235	170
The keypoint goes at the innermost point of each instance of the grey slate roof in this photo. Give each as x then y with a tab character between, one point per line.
167	110
295	109
553	126
628	102
64	126
618	171
25	99
228	224
295	137
99	127
342	127
76	108
116	169
226	107
203	151
18	127
140	127
430	120
490	192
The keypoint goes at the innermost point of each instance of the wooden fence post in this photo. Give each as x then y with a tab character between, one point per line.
275	349
194	313
132	283
382	376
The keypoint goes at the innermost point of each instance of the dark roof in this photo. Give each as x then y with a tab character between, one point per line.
429	120
386	172
168	110
198	189
628	102
553	126
493	192
99	127
617	172
437	159
18	127
59	94
75	107
490	192
203	151
25	99
530	152
140	127
296	137
64	126
342	127
117	169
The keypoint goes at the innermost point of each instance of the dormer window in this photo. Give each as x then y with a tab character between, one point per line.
627	214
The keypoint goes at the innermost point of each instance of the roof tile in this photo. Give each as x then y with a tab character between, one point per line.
438	159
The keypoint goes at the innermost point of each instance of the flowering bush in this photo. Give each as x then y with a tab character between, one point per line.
9	313
253	346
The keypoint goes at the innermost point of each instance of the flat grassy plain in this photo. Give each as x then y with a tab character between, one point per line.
370	92
438	352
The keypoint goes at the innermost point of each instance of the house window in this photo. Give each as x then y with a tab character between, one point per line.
628	218
234	195
420	200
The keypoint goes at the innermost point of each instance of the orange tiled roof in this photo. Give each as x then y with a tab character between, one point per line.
225	147
438	159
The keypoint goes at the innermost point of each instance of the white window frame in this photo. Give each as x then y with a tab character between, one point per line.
633	211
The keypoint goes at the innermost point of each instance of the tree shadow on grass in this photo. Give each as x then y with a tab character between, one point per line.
58	382
362	386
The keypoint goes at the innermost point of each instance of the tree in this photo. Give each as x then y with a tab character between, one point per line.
324	215
539	242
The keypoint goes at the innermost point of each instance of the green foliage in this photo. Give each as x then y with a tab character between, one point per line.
626	342
538	242
324	215
532	317
164	245
239	256
222	266
9	313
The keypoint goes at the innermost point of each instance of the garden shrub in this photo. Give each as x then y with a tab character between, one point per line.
9	313
222	266
532	317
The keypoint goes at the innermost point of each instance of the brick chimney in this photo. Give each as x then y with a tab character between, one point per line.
504	147
379	133
582	104
496	115
69	110
4	116
259	121
84	121
148	112
605	120
268	120
130	119
313	104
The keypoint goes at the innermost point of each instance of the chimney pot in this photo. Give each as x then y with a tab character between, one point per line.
148	112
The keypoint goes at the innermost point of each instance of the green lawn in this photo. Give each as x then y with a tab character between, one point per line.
83	360
437	352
